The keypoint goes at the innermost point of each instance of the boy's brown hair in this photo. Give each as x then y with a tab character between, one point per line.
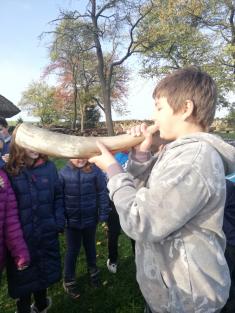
190	84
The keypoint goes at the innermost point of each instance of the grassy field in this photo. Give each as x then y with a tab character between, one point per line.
119	293
226	136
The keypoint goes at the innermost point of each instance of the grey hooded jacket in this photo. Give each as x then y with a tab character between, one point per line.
173	207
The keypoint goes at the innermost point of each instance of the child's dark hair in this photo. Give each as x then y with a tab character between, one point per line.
3	122
190	84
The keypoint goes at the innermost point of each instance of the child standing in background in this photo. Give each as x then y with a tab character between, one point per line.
5	139
86	203
113	223
39	196
11	236
5	134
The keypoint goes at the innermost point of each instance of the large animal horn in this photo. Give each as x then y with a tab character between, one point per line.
67	146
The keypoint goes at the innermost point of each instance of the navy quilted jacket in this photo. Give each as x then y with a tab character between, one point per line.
86	196
41	210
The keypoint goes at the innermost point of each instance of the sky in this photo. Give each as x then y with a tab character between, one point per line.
23	56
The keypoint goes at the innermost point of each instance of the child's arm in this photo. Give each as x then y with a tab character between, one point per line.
139	166
152	213
13	232
140	158
170	201
107	160
103	198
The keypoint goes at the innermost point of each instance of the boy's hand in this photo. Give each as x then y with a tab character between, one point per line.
104	160
141	130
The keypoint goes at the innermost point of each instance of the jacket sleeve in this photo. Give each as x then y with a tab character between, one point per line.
103	197
139	166
13	232
58	201
152	213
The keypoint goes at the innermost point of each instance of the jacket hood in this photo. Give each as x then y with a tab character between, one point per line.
226	151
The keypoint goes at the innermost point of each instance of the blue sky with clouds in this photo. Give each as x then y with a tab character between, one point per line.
23	56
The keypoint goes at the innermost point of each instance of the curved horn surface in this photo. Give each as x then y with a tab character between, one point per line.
68	146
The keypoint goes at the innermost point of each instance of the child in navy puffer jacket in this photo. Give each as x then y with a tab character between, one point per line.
41	209
11	237
86	203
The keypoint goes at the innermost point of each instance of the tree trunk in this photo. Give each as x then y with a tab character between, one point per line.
75	107
107	108
82	115
104	82
108	120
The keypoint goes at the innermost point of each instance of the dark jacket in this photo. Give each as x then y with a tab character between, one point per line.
5	149
41	211
2	150
86	196
229	213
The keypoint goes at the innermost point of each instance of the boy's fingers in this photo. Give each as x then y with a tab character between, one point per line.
143	127
154	128
92	160
102	147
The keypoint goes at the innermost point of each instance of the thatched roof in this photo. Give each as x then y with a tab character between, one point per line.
7	108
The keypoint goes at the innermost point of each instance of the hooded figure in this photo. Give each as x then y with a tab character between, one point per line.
173	208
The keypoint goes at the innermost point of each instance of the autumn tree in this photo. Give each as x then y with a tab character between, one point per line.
76	66
112	24
217	17
73	64
183	33
39	99
231	117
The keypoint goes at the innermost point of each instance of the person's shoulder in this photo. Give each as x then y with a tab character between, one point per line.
49	164
49	167
194	145
66	169
185	148
96	170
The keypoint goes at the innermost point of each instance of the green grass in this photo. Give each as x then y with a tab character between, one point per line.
59	162
119	293
226	136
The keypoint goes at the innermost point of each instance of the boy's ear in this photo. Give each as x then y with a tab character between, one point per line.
187	109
